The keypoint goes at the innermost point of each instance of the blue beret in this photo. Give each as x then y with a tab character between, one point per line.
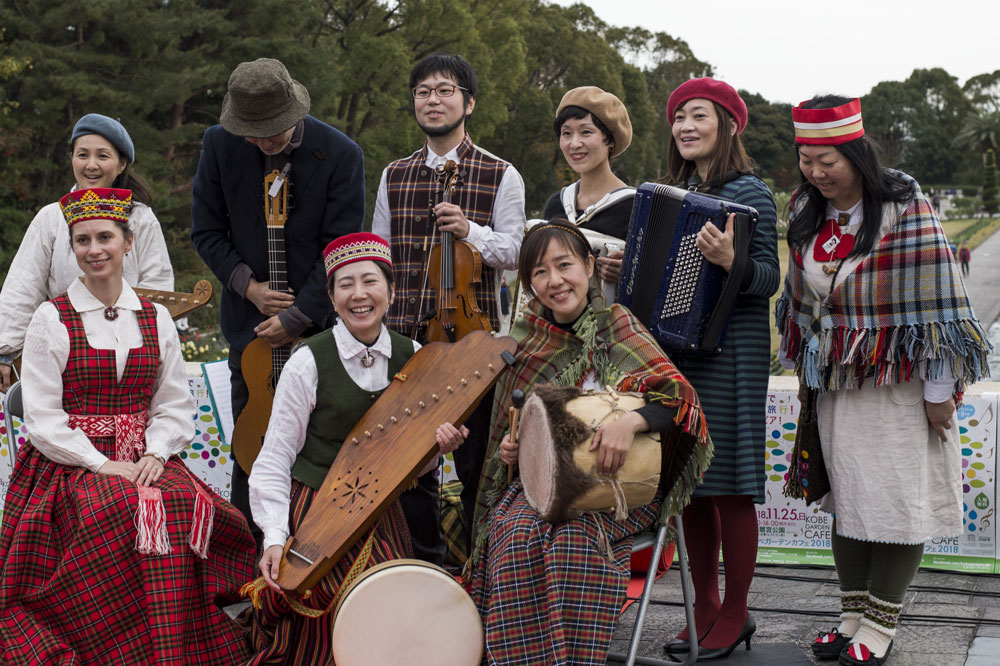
110	129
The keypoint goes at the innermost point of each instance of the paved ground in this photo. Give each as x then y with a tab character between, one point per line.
948	619
944	615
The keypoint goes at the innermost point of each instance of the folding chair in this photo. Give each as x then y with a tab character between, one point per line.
641	542
12	407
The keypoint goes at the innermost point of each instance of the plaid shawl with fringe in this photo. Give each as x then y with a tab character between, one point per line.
904	304
624	355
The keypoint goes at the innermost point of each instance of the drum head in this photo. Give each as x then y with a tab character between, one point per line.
407	612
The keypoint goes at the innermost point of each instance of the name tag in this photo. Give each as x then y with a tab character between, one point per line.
831	244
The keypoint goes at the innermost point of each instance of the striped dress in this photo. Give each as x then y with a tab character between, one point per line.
733	385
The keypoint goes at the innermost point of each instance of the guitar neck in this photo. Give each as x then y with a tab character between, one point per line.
277	278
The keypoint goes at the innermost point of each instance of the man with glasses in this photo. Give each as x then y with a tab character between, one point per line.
487	210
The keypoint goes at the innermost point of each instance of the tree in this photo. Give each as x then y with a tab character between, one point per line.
770	140
990	203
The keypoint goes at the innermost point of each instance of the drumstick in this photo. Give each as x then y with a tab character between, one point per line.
517	398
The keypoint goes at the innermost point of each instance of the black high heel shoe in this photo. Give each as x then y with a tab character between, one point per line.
749	627
680	646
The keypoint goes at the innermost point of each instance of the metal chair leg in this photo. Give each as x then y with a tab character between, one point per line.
647	591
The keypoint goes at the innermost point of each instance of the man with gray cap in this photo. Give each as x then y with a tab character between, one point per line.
265	126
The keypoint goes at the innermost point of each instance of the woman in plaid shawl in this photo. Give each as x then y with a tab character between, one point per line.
874	316
110	550
550	593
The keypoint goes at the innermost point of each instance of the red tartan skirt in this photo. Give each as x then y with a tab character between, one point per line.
74	590
546	593
278	634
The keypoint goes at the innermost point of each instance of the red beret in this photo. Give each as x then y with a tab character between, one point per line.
719	92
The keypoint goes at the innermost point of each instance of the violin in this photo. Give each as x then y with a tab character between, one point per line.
455	267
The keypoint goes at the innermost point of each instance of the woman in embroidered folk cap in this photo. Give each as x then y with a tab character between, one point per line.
705	153
101	154
110	549
550	592
325	387
889	369
593	127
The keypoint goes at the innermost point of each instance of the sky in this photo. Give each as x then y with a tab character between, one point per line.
789	50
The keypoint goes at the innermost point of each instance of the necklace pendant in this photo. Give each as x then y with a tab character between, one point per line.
368	360
111	313
828	269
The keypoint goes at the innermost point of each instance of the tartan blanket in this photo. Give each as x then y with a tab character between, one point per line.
622	354
74	590
904	304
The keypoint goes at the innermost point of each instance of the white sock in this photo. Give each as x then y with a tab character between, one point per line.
849	624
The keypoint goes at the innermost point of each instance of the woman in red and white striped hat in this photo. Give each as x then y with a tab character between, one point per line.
876	320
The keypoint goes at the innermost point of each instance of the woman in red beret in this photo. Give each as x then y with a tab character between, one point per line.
326	386
875	319
705	154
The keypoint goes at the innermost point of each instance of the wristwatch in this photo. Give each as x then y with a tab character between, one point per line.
158	457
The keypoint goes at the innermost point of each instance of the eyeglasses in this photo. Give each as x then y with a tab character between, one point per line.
443	90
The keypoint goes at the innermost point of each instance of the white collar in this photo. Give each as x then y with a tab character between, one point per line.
349	346
83	301
434	160
856	212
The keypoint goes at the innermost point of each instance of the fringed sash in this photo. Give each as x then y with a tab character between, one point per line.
904	304
128	431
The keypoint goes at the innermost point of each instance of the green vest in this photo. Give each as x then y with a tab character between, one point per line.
340	403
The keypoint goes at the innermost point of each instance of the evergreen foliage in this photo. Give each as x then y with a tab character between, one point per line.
990	203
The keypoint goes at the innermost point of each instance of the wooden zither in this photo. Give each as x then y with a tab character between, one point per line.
441	383
179	303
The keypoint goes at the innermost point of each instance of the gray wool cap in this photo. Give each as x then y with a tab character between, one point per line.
110	129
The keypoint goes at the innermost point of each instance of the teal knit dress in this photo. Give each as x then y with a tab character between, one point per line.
733	385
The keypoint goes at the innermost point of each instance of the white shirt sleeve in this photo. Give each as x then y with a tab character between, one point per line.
170	424
501	245
150	249
26	284
46	349
271	476
937	390
381	219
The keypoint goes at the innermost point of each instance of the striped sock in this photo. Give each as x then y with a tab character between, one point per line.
878	626
853	604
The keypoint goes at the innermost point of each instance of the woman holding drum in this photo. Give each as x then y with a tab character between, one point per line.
325	388
101	154
875	318
551	592
705	154
593	127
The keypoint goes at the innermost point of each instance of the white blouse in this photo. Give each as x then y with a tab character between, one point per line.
294	402
170	425
45	266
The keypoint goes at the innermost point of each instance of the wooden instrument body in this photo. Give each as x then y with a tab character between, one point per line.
384	451
179	303
457	314
455	267
260	363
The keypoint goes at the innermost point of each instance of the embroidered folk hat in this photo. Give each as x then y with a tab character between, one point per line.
605	107
708	88
361	246
99	203
110	129
263	100
828	127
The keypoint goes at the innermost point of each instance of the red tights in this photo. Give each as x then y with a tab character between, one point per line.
729	521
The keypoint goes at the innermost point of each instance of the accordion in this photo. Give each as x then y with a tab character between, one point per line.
683	299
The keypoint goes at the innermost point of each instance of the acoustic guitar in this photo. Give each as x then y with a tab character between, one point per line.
262	364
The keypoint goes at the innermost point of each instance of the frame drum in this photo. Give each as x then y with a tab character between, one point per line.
407	612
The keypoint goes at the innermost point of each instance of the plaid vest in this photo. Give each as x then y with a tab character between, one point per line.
413	190
90	380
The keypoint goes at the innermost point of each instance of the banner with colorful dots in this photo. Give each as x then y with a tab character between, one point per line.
789	532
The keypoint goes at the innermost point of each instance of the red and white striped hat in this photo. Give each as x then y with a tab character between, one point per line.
828	127
360	246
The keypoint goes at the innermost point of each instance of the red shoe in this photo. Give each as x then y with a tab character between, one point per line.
858	654
829	646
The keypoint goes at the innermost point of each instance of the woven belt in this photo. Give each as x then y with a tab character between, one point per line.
129	431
